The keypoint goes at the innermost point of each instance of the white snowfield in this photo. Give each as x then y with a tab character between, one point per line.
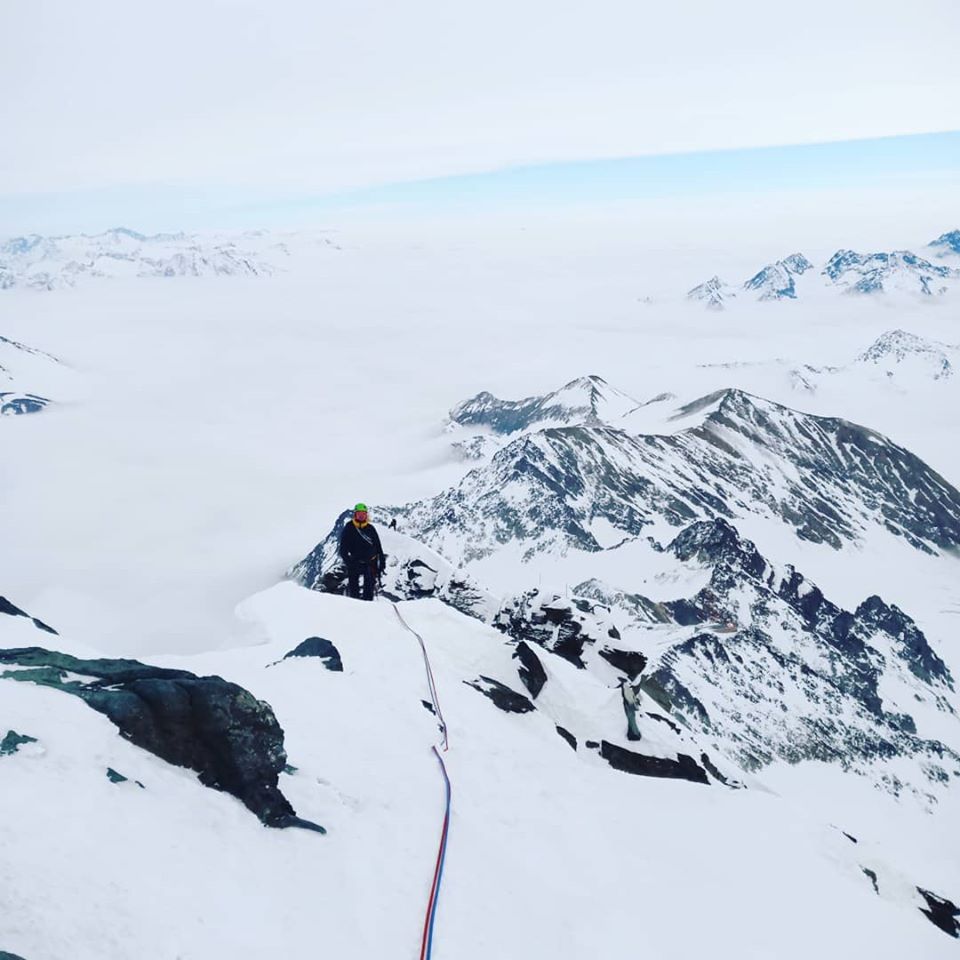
202	435
551	852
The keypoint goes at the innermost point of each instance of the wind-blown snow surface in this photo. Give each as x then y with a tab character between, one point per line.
225	423
552	852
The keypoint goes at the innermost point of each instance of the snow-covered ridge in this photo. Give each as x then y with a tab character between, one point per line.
899	349
48	263
587	399
828	480
846	271
724	660
30	378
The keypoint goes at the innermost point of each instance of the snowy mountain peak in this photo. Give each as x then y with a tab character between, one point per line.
714	293
588	399
884	272
950	242
846	271
899	348
828	480
776	280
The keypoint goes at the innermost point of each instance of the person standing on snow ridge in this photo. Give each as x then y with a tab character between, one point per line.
360	550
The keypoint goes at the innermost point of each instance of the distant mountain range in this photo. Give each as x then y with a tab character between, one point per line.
49	263
846	271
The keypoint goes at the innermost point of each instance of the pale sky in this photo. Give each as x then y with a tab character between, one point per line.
309	96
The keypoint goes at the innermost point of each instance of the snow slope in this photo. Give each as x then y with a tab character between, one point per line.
534	821
225	425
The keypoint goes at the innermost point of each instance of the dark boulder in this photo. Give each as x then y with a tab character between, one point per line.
502	696
207	724
324	650
941	912
683	768
531	670
12	742
631	662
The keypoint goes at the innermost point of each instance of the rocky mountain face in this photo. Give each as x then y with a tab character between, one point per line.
588	400
846	271
898	349
49	263
883	272
947	243
828	480
714	293
776	280
773	668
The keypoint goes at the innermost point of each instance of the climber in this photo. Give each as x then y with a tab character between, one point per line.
360	550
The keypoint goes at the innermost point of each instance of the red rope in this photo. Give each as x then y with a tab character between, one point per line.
426	944
426	941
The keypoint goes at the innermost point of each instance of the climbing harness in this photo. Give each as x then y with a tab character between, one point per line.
426	942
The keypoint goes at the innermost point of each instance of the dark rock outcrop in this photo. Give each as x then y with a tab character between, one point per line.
683	768
631	662
8	608
567	735
13	741
564	626
12	404
216	728
531	669
941	912
502	696
318	647
115	776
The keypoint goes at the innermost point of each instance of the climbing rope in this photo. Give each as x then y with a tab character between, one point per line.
431	683
426	942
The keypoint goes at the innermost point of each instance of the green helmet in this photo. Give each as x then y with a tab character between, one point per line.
360	507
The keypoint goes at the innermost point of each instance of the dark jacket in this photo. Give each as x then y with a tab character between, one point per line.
361	545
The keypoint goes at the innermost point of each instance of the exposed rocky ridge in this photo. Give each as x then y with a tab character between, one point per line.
6	607
588	400
794	676
830	480
216	728
572	628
